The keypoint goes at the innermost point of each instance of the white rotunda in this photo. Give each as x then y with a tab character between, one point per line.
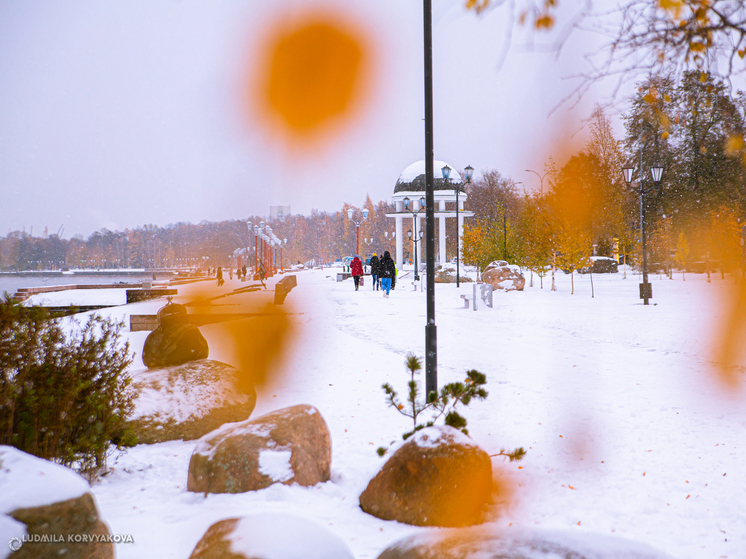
409	201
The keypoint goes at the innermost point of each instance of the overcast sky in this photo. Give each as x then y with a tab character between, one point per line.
116	114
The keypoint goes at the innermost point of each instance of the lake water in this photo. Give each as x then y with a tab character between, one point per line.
10	283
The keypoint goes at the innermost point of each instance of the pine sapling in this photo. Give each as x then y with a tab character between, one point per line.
442	404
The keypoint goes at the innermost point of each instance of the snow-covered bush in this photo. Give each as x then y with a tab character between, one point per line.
63	397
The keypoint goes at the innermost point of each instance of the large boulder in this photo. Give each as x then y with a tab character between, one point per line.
47	511
257	535
439	477
188	401
491	542
291	445
175	340
504	276
447	274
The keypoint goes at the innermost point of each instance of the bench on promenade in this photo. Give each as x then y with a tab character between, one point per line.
283	287
481	291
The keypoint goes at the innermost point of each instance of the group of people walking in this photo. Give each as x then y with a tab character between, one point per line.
261	274
383	272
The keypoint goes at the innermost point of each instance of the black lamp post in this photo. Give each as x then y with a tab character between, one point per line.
646	289
431	339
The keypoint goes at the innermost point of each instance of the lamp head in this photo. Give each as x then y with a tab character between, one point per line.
365	214
423	202
420	233
406	202
628	174
409	234
446	170
469	172
349	213
657	173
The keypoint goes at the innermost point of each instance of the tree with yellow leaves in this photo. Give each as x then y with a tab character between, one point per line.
682	253
573	251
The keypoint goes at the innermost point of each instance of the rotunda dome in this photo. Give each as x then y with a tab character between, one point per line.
412	178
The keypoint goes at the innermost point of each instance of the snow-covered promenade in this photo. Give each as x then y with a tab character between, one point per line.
627	431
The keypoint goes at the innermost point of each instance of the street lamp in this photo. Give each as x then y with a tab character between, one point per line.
391	238
646	289
350	212
541	177
446	175
743	252
407	203
417	238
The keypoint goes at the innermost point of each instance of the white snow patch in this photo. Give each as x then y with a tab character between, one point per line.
207	445
28	481
285	536
79	298
166	395
9	528
432	437
276	464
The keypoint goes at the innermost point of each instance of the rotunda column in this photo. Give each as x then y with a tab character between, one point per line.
399	254
418	250
460	226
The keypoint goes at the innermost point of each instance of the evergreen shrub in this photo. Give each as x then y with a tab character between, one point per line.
63	396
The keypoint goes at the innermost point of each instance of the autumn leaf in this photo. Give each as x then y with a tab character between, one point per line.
697	47
545	22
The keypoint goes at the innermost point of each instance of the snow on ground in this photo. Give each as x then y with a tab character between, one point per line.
79	297
627	433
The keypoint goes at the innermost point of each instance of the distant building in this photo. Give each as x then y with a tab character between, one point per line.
279	212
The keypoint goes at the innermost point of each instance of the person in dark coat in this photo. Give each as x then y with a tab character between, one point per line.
262	273
388	272
375	271
356	269
220	276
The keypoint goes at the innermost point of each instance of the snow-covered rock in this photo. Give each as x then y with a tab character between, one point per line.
270	536
188	401
47	511
291	445
504	276
439	477
488	541
447	274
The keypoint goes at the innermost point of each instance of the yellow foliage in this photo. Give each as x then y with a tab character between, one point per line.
673	7
734	144
697	47
477	5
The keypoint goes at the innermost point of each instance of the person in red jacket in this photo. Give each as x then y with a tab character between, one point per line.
356	268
